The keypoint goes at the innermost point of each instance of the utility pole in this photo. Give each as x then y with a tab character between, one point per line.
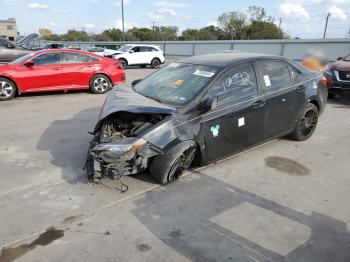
280	23
325	28
123	19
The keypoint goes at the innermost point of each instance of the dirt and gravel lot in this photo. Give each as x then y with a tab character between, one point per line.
283	201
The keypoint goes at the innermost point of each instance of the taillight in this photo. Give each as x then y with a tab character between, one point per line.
119	66
323	80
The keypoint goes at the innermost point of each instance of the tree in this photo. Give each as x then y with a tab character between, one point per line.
263	30
256	13
45	33
74	35
189	34
166	33
233	23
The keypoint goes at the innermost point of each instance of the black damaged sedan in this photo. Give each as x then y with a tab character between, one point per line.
202	109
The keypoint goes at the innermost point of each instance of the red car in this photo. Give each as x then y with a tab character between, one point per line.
53	70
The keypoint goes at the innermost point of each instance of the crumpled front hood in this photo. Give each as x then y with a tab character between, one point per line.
341	65
124	99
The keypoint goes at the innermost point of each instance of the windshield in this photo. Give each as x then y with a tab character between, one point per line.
177	83
124	49
22	58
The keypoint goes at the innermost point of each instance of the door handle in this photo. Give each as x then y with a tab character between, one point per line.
258	104
56	68
301	88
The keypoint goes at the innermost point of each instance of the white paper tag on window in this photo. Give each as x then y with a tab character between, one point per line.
203	73
267	80
241	122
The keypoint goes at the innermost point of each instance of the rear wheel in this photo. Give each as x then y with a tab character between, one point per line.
100	84
170	166
7	89
306	124
155	63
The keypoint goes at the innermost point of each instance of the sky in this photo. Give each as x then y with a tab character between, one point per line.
300	18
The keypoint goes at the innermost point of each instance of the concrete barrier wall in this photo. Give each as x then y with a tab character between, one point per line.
294	49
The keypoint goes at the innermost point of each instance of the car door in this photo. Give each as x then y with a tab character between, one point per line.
77	69
237	122
44	74
284	92
134	56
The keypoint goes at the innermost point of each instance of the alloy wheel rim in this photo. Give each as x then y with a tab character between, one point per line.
100	84
181	163
308	123
156	63
6	89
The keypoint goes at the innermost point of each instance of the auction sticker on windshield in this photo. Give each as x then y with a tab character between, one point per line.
199	72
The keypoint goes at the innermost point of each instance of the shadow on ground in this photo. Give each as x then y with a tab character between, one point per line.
68	142
340	101
181	216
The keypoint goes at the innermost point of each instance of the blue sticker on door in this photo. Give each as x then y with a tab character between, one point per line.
215	130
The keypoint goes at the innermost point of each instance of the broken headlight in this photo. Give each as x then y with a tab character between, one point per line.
121	151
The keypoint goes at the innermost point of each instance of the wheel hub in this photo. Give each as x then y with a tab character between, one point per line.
100	84
5	89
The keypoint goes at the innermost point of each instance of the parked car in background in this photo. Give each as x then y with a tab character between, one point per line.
141	55
11	51
59	69
49	46
337	76
102	51
202	109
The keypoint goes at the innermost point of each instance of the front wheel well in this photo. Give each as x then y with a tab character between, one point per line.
317	104
18	92
122	58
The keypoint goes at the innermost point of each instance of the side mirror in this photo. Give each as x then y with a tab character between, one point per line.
339	58
210	104
131	51
29	63
133	83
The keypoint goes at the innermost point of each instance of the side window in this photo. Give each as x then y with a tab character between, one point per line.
144	49
239	81
274	74
47	59
136	49
73	58
293	72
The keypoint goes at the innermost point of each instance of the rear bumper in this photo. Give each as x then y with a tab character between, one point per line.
339	87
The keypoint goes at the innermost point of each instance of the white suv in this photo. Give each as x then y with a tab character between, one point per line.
142	55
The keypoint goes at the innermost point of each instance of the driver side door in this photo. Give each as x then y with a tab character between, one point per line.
44	75
237	122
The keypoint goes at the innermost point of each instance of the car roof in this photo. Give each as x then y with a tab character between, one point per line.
225	58
69	50
141	45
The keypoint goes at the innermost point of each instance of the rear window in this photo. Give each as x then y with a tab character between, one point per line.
274	74
72	58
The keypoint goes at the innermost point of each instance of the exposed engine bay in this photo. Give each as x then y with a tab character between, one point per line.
118	148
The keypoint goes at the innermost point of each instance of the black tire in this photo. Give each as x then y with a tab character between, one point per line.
100	84
306	124
168	167
8	89
143	66
155	63
123	63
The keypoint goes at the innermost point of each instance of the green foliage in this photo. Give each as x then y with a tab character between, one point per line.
253	24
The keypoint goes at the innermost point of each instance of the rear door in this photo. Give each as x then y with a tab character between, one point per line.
238	120
45	74
77	69
284	91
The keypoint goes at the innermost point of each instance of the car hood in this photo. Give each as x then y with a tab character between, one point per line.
341	65
6	67
124	99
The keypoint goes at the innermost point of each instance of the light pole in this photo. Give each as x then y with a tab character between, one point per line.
325	28
123	20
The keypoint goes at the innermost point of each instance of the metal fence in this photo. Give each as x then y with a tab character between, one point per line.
293	49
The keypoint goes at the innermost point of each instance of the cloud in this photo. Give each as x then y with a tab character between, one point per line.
337	12
293	9
89	25
161	13
172	4
38	6
119	24
214	23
